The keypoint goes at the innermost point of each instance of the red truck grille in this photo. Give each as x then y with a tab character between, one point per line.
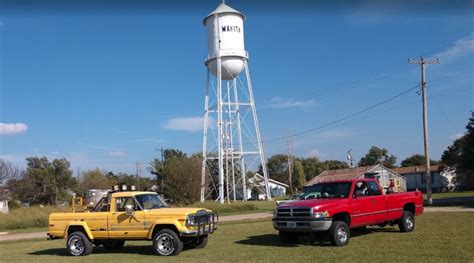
294	212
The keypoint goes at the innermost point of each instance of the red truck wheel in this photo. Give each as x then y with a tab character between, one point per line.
407	222
339	234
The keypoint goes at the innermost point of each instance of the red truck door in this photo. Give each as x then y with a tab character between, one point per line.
360	205
378	203
368	206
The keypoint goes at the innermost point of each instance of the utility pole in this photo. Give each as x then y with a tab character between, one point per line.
162	170
289	147
139	171
422	62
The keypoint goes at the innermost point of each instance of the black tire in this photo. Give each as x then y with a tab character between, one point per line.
202	242
167	243
288	237
339	234
406	222
78	244
114	244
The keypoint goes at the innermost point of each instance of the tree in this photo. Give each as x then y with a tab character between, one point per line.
277	167
183	179
416	160
158	165
460	157
312	167
44	182
8	171
95	179
378	155
299	179
334	165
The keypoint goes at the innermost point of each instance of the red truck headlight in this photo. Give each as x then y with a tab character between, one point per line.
319	215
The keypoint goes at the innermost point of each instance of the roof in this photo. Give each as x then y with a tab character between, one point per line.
130	193
341	174
416	169
221	9
271	180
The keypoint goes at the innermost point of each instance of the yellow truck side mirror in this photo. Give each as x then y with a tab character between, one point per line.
129	210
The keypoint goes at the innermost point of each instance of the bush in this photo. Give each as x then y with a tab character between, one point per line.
26	217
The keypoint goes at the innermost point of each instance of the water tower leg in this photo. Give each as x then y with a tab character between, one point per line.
241	147
204	143
257	131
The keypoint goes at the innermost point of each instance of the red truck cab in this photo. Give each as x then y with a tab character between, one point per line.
336	207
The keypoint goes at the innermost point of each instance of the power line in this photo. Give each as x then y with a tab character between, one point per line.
344	118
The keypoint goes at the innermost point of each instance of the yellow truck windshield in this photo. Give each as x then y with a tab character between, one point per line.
150	201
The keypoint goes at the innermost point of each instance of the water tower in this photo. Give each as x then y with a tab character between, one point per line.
232	142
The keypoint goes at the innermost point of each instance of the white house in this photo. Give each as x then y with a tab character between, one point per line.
4	198
378	171
440	180
256	188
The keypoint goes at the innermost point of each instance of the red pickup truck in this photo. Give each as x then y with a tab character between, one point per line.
337	206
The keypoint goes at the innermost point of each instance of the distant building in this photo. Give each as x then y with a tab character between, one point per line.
415	175
378	171
4	199
256	188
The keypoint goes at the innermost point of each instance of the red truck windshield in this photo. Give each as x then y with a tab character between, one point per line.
327	190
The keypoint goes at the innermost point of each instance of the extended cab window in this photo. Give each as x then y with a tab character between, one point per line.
360	189
122	202
373	188
102	205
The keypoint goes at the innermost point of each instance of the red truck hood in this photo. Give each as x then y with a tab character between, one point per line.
318	204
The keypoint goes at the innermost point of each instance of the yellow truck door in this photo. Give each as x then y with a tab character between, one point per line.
123	225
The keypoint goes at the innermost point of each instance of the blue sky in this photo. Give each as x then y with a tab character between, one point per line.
105	86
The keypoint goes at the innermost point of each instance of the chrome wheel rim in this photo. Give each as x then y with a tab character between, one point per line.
76	246
409	222
165	244
342	235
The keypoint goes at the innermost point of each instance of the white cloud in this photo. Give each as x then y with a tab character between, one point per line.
117	154
456	136
12	128
316	153
184	124
460	47
282	103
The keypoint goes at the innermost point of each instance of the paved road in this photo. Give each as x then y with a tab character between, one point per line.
240	217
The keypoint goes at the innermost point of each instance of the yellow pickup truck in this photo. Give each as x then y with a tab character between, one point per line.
133	215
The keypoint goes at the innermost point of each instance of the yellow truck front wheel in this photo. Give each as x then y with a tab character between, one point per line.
167	243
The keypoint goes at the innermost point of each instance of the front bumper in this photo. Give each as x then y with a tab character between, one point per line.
302	225
204	224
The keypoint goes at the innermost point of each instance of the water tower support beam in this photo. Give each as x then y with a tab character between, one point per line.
257	130
241	147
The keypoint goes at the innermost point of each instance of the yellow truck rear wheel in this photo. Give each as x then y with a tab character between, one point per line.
78	244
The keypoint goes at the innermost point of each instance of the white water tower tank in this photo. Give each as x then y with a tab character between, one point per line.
225	36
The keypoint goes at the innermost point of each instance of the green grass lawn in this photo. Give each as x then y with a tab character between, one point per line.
453	194
438	237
